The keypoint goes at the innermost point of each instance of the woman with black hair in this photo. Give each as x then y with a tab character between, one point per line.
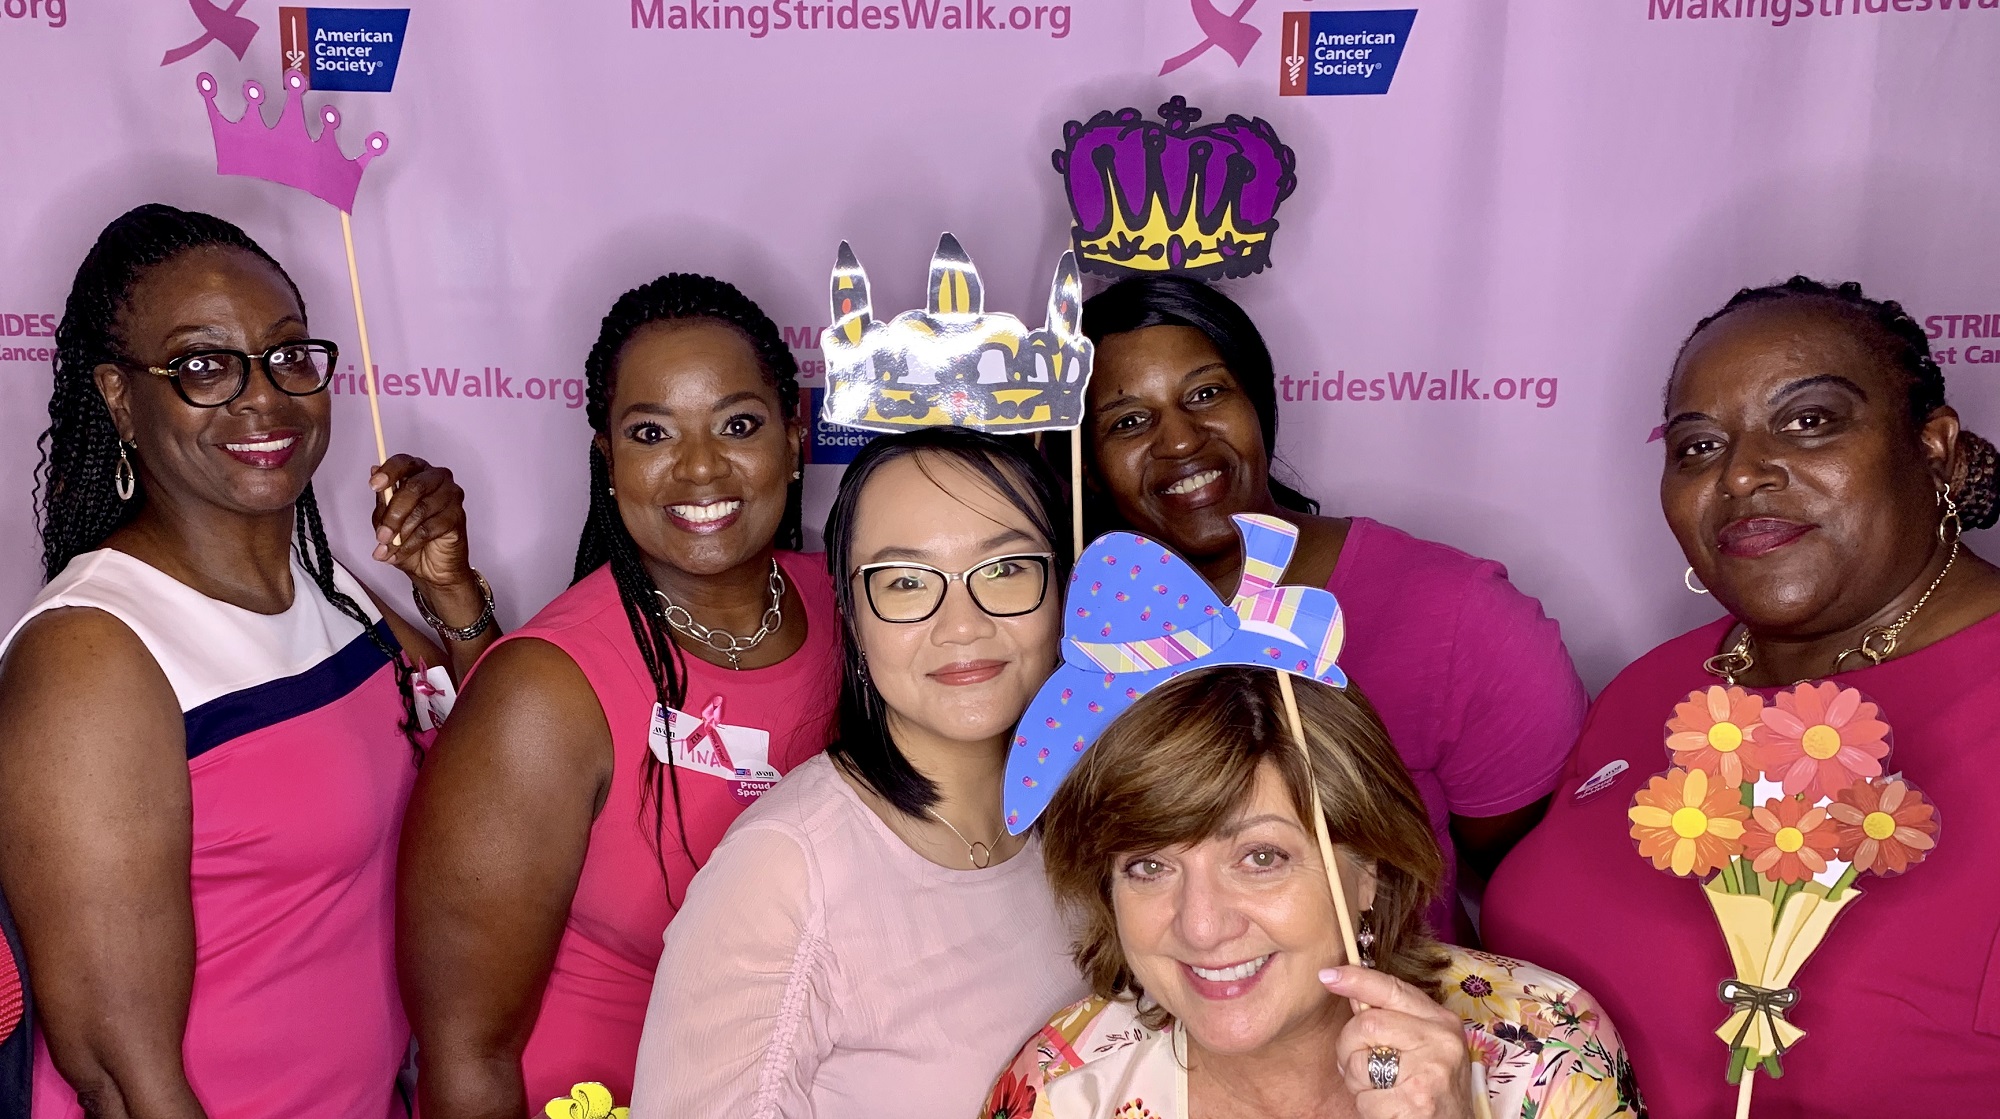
207	725
869	939
1468	674
600	752
1817	483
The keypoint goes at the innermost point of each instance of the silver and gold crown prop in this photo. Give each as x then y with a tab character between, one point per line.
953	362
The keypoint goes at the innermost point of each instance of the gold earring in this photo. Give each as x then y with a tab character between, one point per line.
1950	516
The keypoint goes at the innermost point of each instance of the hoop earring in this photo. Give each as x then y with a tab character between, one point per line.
124	479
1364	936
1688	579
1950	516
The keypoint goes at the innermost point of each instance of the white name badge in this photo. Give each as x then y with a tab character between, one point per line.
706	744
435	695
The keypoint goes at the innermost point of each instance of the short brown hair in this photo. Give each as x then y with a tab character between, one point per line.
1177	766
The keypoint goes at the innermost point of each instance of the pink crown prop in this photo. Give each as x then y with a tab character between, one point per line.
287	154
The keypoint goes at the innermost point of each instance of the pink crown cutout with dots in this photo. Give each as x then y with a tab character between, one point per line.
287	154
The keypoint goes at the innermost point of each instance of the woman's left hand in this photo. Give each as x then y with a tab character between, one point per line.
420	530
1433	1073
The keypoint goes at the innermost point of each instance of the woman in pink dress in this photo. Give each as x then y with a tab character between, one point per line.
1468	674
600	752
868	942
1817	483
207	725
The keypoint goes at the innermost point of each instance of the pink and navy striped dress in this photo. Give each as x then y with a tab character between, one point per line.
299	772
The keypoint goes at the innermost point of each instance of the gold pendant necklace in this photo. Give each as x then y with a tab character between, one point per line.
1877	645
980	855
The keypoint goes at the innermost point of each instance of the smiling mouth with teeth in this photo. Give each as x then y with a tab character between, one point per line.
266	445
702	514
1194	482
1244	970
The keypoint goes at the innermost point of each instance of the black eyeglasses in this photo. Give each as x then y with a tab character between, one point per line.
1003	586
213	378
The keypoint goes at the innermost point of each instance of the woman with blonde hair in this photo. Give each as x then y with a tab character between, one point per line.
1182	847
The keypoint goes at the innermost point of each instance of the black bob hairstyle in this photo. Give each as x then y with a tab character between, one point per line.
1011	466
1143	301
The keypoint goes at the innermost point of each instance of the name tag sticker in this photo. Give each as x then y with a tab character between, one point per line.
1602	779
706	744
435	696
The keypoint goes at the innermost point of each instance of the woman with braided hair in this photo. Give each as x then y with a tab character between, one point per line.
1818	484
600	752
207	725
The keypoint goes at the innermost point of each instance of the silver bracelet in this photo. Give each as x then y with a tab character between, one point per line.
478	627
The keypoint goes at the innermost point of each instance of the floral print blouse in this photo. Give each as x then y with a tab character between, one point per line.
1540	1047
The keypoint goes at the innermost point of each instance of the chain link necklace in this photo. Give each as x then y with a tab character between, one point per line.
980	855
722	641
1877	645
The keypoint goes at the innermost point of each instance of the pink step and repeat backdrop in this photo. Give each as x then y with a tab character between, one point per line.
1504	248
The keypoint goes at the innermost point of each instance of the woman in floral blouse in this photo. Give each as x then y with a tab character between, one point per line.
1180	846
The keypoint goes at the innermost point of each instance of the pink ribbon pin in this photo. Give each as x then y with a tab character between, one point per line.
710	731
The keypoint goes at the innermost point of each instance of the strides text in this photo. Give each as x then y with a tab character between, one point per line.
1782	12
1458	384
759	20
489	383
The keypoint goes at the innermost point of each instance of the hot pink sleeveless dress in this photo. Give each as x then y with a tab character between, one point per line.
299	773
595	1003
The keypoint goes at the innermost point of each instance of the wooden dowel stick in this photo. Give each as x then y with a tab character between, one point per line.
1743	1088
367	358
1339	888
1076	489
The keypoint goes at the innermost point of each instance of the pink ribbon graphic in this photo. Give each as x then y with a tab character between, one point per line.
710	731
1229	32
226	27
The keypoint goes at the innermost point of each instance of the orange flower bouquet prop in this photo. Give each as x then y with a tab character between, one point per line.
1777	809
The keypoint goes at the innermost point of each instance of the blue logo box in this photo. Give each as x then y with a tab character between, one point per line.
352	49
1342	53
831	442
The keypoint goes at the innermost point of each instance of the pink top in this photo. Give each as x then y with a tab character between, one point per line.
823	969
1900	1003
299	772
595	1001
1470	677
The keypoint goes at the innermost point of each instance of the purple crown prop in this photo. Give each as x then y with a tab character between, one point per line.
1173	197
286	153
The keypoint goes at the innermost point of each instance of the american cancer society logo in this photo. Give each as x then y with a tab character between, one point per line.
351	49
1325	53
831	442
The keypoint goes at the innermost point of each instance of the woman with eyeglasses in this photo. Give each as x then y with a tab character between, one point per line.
207	725
868	938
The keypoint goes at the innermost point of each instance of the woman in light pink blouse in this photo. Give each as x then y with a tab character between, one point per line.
1468	674
868	940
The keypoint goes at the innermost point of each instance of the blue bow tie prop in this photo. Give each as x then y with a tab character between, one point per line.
1135	617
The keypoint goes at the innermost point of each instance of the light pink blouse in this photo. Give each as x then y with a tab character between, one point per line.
820	967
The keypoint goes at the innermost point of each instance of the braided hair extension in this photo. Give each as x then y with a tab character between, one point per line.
1904	342
77	507
677	297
